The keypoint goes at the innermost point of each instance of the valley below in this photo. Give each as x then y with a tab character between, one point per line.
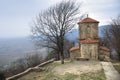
13	49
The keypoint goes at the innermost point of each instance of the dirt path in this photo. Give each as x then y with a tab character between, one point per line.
78	67
110	72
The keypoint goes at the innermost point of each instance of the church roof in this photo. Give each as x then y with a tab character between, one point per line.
87	20
104	48
88	41
74	48
100	47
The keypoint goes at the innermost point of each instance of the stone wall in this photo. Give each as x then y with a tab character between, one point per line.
89	51
88	30
74	54
104	55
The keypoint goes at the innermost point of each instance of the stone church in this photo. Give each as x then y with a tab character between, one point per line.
88	41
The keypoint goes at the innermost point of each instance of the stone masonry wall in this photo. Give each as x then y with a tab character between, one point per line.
88	30
89	51
104	55
74	54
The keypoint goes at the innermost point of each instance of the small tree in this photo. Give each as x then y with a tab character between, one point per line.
51	25
112	35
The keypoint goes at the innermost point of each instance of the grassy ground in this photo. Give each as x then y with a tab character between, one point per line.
116	65
69	76
49	75
93	76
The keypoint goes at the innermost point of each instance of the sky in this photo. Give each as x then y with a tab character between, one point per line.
16	16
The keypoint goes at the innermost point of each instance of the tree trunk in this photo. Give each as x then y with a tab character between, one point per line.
62	50
119	55
58	56
62	57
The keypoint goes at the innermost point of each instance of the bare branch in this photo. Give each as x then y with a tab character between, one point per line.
112	34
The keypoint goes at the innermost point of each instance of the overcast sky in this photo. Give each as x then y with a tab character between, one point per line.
16	15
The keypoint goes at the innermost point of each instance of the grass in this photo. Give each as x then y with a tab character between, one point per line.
93	76
57	63
49	75
54	64
43	75
30	76
67	76
70	76
117	66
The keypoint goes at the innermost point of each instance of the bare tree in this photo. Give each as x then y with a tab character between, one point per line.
103	42
52	24
112	34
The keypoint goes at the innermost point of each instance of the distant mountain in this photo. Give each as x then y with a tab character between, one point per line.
101	28
73	34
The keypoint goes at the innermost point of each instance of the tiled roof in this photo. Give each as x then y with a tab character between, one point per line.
88	41
104	48
74	48
87	20
101	48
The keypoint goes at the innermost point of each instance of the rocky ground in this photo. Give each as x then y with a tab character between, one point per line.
110	72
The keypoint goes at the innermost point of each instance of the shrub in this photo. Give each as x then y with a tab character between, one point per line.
2	77
22	64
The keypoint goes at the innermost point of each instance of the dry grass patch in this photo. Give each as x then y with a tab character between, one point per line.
93	76
67	76
117	66
78	70
78	67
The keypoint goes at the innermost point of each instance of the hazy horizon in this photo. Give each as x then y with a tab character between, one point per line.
15	48
27	36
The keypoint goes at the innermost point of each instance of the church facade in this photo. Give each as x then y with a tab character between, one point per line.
88	41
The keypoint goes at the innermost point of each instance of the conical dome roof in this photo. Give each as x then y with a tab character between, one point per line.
88	20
